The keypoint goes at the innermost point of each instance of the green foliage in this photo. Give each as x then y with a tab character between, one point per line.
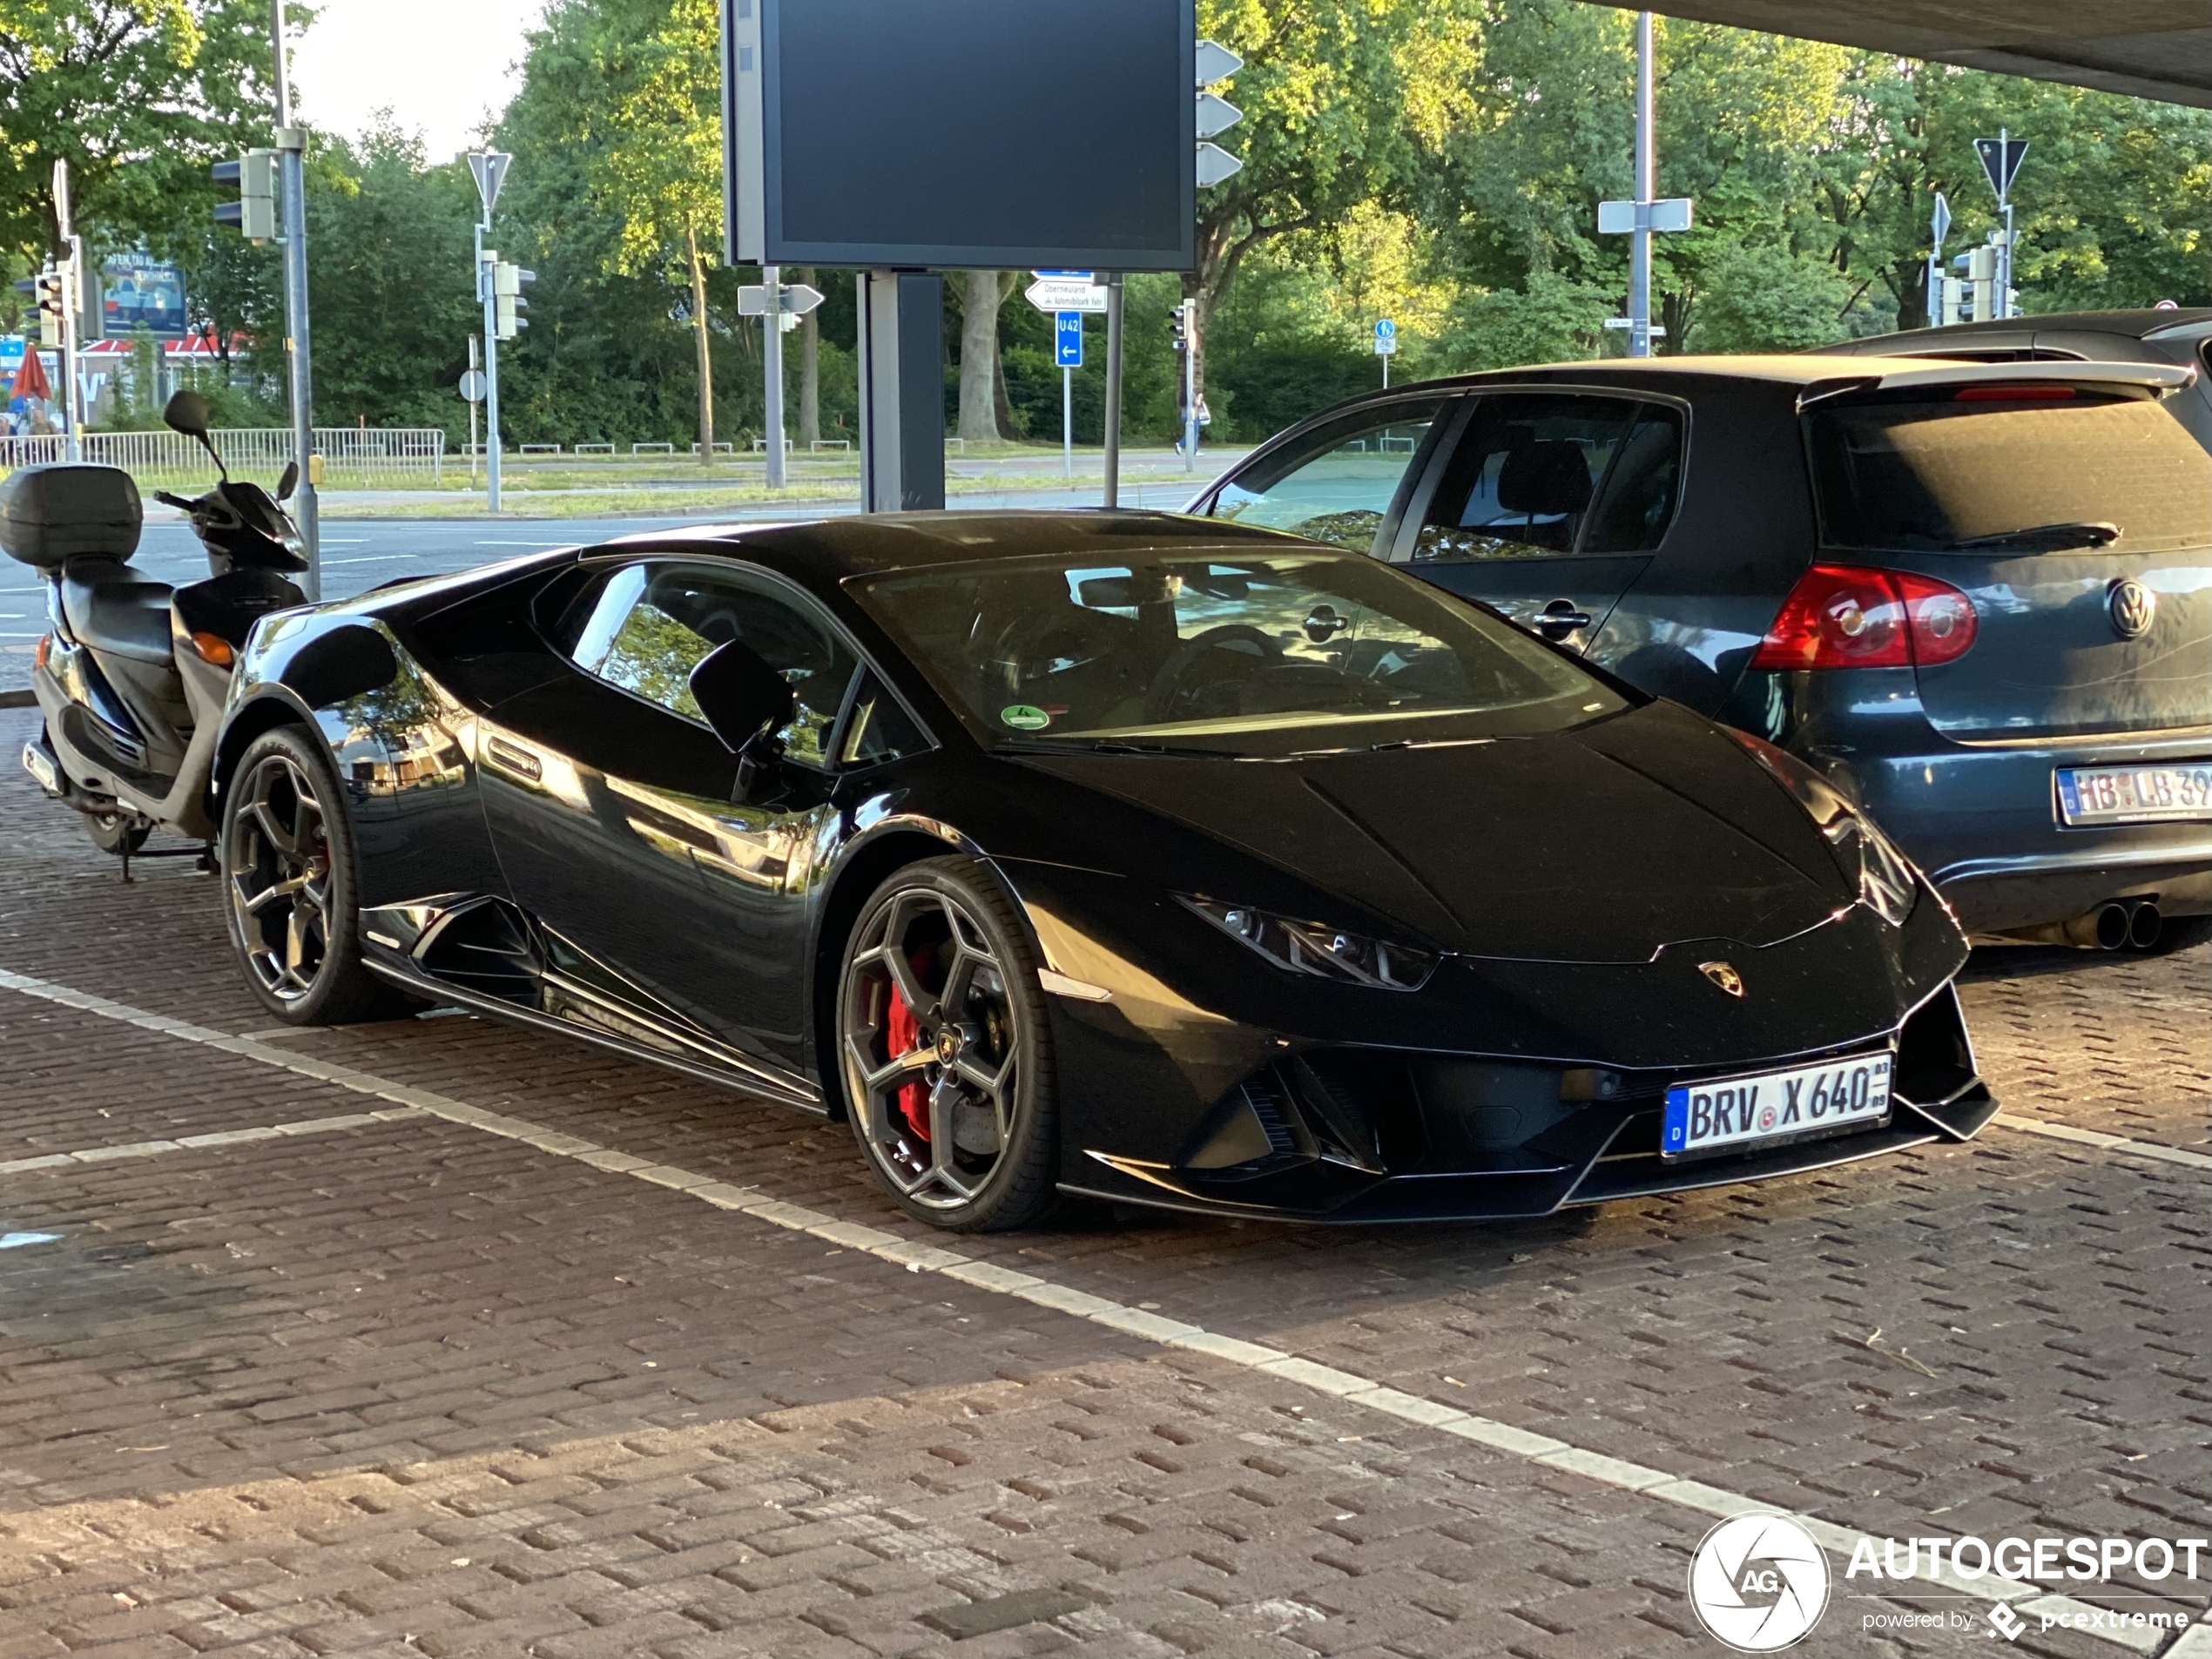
1768	299
394	312
139	95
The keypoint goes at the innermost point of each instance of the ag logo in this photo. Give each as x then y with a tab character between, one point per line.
1758	1582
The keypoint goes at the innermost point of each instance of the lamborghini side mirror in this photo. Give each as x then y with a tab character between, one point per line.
745	701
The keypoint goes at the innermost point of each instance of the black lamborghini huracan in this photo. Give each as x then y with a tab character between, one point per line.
1123	855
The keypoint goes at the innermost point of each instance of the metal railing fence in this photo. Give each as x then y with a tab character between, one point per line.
352	457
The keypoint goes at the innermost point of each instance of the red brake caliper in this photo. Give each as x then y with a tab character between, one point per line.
903	1036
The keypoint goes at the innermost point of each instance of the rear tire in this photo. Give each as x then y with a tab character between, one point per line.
118	834
290	885
944	1052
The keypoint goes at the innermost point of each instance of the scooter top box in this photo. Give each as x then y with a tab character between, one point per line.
51	515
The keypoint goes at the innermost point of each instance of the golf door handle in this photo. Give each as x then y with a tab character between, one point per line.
1562	617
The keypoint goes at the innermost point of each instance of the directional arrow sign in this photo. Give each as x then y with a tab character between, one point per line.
1216	63
793	300
1216	115
1939	222
1215	163
1065	294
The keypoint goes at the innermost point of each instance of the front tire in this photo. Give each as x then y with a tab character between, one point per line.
944	1052
289	881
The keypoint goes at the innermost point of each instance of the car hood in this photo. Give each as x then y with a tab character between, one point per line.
1603	844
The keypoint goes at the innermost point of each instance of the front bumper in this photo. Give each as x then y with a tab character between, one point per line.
1370	1135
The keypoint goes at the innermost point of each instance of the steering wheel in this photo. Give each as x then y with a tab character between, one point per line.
1163	697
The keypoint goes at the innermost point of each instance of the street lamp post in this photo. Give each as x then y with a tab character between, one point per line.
292	145
1647	191
489	169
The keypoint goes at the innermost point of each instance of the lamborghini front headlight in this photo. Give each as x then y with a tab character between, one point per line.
1317	950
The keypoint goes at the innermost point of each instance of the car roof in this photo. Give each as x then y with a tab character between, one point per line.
825	552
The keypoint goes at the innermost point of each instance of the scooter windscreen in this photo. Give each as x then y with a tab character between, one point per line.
241	524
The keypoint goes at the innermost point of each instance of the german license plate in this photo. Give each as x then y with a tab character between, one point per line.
1777	1105
2091	795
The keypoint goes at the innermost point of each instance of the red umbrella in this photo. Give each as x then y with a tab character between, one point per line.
31	379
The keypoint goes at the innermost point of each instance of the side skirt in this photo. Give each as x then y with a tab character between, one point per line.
738	1075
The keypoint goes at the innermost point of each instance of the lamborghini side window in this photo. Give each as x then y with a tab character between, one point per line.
880	730
652	624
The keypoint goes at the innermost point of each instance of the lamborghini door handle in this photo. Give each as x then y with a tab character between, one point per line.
515	758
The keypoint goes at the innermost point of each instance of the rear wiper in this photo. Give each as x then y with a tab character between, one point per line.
2099	534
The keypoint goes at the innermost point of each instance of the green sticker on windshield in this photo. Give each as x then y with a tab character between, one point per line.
1023	717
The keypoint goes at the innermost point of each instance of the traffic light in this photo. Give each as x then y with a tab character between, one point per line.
508	280
1179	325
254	212
49	293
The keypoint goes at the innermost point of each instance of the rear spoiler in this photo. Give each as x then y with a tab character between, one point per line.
2160	379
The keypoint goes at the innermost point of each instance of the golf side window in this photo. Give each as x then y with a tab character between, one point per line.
647	626
1544	475
1338	483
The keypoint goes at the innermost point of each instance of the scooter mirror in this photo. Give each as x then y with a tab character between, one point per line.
289	482
188	413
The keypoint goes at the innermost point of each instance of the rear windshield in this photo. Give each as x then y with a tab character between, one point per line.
1977	476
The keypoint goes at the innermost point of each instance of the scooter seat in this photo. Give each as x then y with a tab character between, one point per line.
110	608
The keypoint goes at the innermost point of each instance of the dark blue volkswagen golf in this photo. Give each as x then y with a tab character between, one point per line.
1977	596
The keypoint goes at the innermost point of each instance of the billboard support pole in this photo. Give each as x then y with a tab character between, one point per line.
1112	497
902	391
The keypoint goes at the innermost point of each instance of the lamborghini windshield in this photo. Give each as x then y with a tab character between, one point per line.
1182	649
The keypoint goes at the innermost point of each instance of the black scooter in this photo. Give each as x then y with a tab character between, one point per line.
133	678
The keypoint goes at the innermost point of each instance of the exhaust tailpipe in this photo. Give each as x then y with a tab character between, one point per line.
2106	927
2145	925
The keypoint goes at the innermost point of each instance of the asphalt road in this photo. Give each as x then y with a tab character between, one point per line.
446	1338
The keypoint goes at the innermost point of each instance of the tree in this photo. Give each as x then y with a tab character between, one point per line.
659	172
137	96
982	292
1344	101
389	289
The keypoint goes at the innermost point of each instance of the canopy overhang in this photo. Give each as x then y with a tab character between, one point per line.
2158	49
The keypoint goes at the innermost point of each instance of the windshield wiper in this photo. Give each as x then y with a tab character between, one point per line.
2097	534
1105	746
1384	748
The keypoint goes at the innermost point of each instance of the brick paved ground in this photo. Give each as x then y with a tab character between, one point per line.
410	1389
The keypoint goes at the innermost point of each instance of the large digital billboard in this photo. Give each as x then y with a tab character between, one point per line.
950	133
137	291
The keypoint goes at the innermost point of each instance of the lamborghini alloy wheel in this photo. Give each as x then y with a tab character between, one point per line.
287	872
945	1053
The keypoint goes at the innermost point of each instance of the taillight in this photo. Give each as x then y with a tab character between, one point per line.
1848	616
39	651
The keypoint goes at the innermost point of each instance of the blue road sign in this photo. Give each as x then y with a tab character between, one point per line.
1385	336
1067	339
1078	276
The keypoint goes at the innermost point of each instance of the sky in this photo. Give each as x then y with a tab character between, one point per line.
440	65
